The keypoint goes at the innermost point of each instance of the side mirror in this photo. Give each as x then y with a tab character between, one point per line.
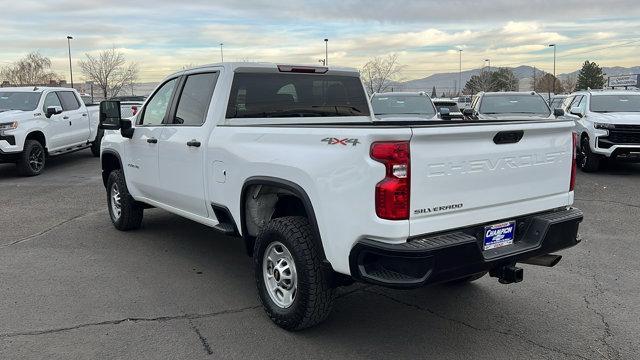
444	112
53	110
558	112
467	112
577	111
110	115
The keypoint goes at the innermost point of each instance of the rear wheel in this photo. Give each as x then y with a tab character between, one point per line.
125	212
293	287
32	159
587	160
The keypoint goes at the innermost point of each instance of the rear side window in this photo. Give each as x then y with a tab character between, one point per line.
296	95
194	99
69	100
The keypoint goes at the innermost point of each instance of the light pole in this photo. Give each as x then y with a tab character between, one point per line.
69	38
221	53
326	52
489	61
554	67
460	71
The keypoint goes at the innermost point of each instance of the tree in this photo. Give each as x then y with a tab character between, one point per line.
478	83
443	95
504	79
380	72
544	84
33	69
109	70
590	76
569	83
433	93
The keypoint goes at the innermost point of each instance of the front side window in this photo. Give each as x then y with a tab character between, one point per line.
25	101
51	100
402	105
514	104
69	100
615	103
158	105
276	95
194	99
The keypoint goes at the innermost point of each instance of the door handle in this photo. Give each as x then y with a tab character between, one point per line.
194	143
84	114
65	117
152	140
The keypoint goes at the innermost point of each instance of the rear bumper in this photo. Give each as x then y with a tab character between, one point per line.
455	254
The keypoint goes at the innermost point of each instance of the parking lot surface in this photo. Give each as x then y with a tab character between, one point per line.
73	287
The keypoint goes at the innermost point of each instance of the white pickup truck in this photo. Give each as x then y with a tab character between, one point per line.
38	122
290	160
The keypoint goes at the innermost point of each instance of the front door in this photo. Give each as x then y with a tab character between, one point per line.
57	126
141	168
183	146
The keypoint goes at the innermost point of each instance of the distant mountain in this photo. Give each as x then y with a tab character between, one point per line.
448	82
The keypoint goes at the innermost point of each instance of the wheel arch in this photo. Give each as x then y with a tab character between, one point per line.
38	136
109	160
290	187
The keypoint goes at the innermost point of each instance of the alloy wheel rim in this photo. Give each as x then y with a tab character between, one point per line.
116	206
36	159
583	154
279	273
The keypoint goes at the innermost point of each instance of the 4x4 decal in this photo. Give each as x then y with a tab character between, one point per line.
337	141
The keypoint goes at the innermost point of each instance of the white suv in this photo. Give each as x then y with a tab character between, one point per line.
608	123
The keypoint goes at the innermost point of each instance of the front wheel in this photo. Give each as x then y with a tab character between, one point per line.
32	159
587	160
125	212
294	288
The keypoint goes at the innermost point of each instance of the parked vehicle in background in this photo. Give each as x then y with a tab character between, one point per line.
511	105
403	106
464	102
130	105
448	109
557	101
608	122
39	122
290	159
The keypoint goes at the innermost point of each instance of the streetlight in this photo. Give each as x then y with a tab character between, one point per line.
221	53
69	38
554	67
489	61
460	71
326	52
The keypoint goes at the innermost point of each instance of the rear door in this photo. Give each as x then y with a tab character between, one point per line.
475	173
77	117
183	144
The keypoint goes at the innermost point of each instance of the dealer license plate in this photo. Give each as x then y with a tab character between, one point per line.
499	235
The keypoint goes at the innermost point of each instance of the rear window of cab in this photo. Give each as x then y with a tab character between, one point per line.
277	95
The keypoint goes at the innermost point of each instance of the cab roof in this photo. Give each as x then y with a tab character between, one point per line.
265	67
34	88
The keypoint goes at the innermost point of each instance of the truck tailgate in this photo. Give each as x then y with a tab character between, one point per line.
475	173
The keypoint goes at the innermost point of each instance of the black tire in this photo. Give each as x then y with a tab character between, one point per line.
314	294
131	211
467	279
588	161
95	145
32	159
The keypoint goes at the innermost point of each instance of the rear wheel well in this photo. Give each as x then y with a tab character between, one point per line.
109	162
39	137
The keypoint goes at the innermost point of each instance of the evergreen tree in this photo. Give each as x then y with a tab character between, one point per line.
590	76
433	93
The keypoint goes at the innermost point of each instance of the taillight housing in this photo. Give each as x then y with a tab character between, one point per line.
134	109
392	193
572	183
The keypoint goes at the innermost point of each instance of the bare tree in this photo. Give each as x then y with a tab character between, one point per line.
569	83
33	69
544	84
109	70
380	72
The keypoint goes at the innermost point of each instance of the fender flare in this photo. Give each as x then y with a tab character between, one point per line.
117	156
296	190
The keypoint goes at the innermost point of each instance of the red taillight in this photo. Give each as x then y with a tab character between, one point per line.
572	184
392	193
134	109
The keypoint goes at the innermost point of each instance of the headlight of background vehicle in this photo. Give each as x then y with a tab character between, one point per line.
604	126
8	126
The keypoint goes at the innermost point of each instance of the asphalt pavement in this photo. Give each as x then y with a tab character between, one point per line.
73	287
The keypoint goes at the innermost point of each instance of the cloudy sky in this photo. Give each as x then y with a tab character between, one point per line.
162	35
